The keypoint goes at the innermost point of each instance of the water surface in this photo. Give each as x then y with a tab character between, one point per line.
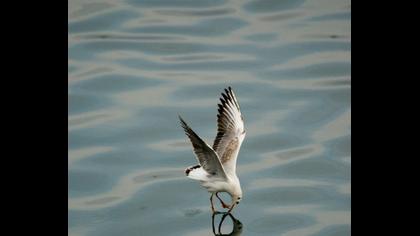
135	65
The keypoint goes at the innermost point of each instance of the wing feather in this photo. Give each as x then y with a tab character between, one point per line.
230	131
206	156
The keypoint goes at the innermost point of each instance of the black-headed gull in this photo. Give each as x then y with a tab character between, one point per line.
217	165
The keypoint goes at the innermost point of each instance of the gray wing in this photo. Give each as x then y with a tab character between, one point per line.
230	131
206	156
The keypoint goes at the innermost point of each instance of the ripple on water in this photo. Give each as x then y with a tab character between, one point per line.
320	70
295	195
83	102
334	16
285	16
128	37
89	50
95	118
84	9
290	50
135	64
204	28
270	161
334	230
102	22
339	147
316	168
113	83
86	182
72	68
196	13
262	6
273	142
176	3
280	223
75	155
263	37
124	189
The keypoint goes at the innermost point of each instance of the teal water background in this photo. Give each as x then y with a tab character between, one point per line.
135	65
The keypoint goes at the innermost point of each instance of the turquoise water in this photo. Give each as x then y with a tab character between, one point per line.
135	65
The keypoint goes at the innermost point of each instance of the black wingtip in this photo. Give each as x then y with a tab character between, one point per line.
183	123
233	97
225	96
180	118
228	93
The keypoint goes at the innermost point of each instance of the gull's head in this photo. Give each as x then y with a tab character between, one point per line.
237	197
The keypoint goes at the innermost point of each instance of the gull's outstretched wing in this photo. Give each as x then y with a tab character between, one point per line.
230	131
206	156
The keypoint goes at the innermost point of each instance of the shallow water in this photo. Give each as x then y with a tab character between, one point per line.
135	65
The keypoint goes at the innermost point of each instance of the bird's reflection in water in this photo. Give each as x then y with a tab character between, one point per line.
237	225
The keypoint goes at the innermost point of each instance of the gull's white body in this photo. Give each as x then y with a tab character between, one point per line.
214	185
217	165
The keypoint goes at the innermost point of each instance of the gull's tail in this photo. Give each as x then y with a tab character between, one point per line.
196	172
191	168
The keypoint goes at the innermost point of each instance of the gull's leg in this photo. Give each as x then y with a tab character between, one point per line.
211	201
221	201
231	208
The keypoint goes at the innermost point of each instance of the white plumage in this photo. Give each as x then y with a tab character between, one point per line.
217	165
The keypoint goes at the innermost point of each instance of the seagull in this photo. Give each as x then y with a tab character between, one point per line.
216	169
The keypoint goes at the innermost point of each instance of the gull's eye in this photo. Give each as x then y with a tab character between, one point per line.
237	202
